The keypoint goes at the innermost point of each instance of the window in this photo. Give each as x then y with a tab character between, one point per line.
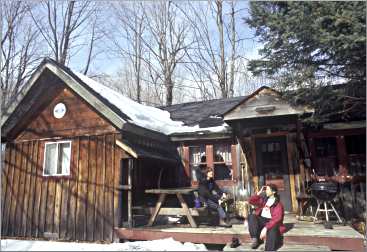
197	161
57	158
326	156
272	162
222	162
325	147
356	149
356	144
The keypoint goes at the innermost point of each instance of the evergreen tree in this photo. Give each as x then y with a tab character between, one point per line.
308	43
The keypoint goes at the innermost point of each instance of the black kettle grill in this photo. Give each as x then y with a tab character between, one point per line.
324	191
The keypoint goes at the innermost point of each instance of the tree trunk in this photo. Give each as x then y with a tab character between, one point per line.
222	75
233	55
67	34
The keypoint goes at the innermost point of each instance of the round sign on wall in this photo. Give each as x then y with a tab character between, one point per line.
59	110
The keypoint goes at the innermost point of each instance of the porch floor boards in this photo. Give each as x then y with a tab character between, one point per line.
302	233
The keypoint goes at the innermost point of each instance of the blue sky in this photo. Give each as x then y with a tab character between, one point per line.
107	63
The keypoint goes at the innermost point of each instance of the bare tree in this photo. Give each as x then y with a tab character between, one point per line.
19	49
95	35
154	40
62	24
215	60
233	51
127	40
168	41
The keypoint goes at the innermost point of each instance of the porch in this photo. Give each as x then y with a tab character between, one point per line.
299	233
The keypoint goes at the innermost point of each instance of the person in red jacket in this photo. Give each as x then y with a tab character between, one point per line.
267	222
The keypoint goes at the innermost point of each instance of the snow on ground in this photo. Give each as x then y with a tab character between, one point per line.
142	115
155	245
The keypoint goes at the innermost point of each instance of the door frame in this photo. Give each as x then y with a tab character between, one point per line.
288	206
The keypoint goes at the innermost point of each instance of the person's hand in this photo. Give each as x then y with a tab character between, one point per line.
263	233
220	201
261	190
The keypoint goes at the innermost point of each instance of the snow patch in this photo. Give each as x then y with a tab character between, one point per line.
168	244
145	116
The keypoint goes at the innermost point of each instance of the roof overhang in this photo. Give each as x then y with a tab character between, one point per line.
178	137
345	125
263	103
139	152
70	82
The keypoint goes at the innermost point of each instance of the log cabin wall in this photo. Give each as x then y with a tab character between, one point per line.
84	205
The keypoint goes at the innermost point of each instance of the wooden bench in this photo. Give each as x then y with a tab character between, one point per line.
184	210
179	211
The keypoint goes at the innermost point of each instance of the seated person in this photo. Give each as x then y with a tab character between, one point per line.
267	222
212	196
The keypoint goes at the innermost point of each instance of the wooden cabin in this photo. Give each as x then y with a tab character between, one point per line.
69	157
79	156
259	146
268	143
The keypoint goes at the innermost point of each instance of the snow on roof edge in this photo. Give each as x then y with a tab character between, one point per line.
145	116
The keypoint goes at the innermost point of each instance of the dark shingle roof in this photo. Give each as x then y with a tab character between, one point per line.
204	113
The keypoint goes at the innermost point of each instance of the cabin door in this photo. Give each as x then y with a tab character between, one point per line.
272	166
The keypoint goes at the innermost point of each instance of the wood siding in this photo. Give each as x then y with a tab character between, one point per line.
83	206
79	119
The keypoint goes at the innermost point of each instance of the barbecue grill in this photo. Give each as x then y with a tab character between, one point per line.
325	192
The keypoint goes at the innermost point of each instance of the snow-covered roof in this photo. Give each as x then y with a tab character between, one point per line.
120	110
145	116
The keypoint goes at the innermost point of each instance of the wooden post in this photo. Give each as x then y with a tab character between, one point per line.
129	193
210	156
342	155
290	155
186	161
235	163
311	142
255	174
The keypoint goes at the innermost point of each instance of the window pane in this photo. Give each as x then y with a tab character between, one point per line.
197	154
197	160
356	144
325	147
64	158
222	172
50	162
326	156
222	153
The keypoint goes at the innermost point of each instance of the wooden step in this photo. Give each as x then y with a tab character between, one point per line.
285	247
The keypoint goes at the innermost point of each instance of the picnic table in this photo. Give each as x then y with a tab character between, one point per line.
184	210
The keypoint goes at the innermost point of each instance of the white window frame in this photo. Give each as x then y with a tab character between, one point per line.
56	159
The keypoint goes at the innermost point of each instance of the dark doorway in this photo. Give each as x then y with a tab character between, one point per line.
272	166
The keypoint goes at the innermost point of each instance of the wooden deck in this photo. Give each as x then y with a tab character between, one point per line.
301	233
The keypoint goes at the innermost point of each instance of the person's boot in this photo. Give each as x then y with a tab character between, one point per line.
235	242
222	223
255	243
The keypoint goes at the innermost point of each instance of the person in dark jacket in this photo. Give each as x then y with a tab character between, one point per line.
212	195
267	222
